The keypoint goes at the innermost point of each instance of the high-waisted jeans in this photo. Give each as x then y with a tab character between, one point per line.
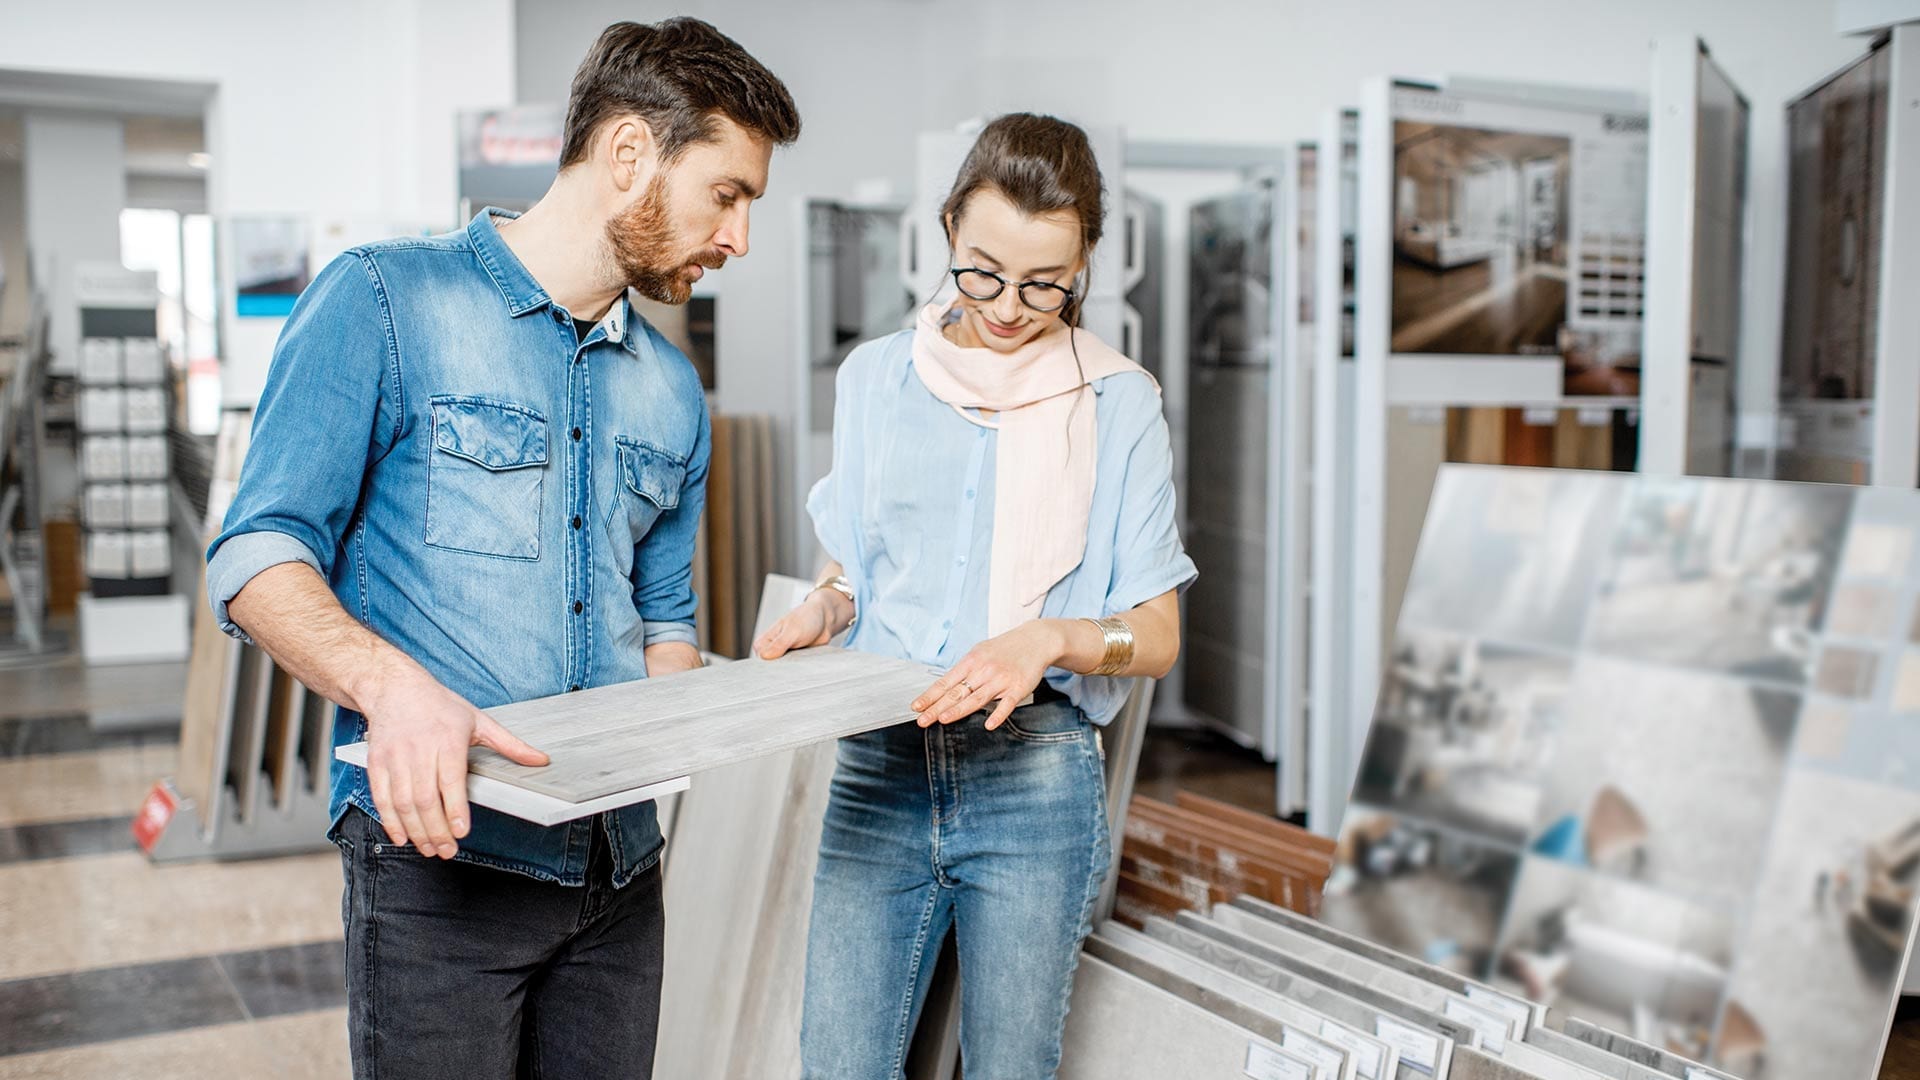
1000	836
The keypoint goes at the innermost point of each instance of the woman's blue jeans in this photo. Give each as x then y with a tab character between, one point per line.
1000	836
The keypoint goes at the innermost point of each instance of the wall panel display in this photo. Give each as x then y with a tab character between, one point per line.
269	264
1836	194
1519	231
1648	750
1231	350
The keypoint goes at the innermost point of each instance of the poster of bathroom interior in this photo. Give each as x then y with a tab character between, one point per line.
1835	198
1648	750
1520	230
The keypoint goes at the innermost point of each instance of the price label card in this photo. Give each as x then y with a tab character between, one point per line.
1512	1008
1266	1063
1491	1026
1323	1055
1369	1058
1416	1048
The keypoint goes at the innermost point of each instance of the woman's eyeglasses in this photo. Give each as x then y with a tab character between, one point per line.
986	285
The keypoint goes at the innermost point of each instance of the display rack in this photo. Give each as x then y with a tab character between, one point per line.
130	613
1849	382
22	548
1696	226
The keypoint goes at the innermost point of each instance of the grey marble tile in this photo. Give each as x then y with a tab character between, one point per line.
57	1011
72	733
1123	1028
65	839
299	978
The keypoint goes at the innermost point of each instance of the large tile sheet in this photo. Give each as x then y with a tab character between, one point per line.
1646	751
1123	1028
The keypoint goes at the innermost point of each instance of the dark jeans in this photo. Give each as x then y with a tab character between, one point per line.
461	970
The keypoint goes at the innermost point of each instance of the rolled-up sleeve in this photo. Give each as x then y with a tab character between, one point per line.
1148	557
327	411
663	568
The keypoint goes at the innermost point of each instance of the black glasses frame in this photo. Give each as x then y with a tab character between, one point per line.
1045	288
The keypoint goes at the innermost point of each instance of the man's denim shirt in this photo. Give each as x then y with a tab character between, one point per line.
509	505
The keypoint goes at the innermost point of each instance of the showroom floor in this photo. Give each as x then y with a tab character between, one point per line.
115	966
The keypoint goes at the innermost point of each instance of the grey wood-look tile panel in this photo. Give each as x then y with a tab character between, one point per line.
614	738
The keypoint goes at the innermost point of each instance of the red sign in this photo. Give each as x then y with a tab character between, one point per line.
155	812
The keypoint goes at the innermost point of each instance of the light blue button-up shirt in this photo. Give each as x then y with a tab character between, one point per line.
908	511
508	504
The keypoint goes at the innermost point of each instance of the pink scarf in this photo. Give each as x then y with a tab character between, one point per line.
1044	475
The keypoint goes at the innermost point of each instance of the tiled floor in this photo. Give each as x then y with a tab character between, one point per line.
115	967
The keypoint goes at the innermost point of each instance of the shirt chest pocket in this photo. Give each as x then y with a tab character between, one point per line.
485	477
647	484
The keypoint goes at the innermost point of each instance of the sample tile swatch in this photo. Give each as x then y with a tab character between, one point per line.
1664	774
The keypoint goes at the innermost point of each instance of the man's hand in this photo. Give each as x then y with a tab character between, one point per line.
809	625
418	732
1005	669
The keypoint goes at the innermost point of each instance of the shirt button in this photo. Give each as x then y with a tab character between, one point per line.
969	493
576	521
576	434
578	607
947	625
961	561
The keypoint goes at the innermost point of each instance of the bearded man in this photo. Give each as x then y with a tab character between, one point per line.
475	478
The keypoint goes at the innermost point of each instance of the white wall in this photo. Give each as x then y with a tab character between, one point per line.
870	74
335	111
75	183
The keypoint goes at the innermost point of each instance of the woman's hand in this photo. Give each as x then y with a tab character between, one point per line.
1006	668
810	624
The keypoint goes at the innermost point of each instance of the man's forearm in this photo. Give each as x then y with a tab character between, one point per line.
292	614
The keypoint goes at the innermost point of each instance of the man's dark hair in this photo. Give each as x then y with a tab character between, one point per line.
678	76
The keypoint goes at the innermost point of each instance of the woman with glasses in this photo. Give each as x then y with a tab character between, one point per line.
1001	507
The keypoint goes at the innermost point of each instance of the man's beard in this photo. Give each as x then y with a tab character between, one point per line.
641	239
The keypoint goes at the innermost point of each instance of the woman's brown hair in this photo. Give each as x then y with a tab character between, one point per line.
1041	164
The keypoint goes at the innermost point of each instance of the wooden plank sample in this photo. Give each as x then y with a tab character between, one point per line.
316	726
248	737
1288	887
614	738
722	568
1282	831
281	753
1314	865
206	713
532	806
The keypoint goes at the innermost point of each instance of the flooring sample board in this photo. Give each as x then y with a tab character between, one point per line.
1591	1057
531	805
206	714
742	845
723	610
247	741
1387	1004
316	726
1471	1064
1322	1061
1541	1062
1418	1046
1264	824
1444	978
1509	1016
630	736
1348	1055
1123	1028
1645	750
286	699
1663	1062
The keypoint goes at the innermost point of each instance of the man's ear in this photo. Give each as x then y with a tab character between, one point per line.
630	151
